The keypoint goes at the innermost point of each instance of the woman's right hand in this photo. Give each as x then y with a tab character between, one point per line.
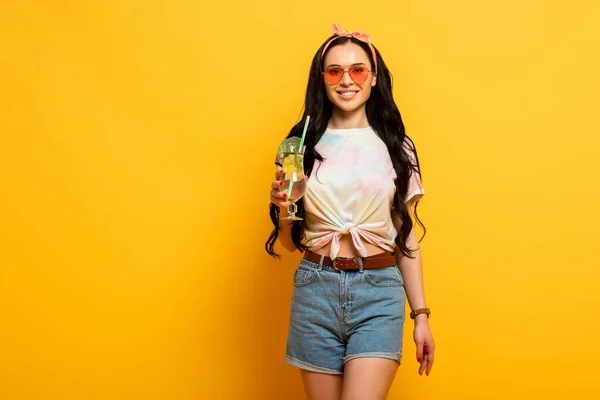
278	196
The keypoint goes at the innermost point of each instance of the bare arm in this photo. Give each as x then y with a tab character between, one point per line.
411	269
412	273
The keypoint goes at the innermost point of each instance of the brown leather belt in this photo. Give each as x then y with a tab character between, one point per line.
382	260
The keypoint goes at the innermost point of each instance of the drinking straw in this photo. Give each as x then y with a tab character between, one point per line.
304	132
289	193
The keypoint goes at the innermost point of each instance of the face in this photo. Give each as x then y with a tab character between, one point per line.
348	95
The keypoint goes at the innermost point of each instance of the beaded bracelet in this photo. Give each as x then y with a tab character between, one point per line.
418	311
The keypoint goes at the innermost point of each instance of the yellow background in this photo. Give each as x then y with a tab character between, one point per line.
135	161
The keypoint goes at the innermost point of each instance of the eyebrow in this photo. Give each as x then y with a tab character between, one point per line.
351	65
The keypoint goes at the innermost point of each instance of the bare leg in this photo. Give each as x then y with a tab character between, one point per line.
368	378
322	386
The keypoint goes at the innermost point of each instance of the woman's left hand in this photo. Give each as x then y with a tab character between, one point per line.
424	341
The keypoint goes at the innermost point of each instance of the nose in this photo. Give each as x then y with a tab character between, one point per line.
346	79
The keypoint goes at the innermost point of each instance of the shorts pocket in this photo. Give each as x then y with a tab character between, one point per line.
384	277
304	275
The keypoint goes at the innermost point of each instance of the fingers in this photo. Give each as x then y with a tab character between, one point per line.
429	362
277	185
278	174
425	347
419	352
423	365
278	195
426	362
429	349
425	356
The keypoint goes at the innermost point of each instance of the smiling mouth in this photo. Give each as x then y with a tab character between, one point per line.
347	94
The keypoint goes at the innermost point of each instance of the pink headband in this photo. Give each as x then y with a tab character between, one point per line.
360	35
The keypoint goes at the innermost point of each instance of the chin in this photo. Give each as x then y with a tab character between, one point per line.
349	107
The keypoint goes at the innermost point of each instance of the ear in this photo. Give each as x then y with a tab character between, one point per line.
374	81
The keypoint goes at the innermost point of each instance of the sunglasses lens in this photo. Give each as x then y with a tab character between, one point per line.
359	73
333	74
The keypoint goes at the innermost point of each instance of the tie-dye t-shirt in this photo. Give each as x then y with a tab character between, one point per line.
352	192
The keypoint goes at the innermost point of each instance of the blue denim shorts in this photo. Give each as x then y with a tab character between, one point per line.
337	316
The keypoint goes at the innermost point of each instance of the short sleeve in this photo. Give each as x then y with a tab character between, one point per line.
415	187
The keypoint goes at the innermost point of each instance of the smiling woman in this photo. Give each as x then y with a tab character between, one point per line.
348	78
361	258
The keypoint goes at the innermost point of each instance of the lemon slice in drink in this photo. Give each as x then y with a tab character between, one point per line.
288	163
290	168
293	175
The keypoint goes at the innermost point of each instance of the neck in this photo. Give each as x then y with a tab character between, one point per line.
341	119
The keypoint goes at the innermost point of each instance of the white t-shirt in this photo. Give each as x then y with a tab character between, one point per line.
352	191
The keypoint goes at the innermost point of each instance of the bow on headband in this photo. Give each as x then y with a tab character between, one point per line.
360	35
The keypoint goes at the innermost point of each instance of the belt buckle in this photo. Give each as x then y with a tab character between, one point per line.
344	258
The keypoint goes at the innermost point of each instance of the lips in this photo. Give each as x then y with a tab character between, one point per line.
347	94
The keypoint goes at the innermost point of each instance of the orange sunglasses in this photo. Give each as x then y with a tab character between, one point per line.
334	73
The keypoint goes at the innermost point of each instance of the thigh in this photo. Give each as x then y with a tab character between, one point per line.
368	378
376	317
315	340
322	386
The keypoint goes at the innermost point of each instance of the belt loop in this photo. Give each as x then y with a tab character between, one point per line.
360	264
321	262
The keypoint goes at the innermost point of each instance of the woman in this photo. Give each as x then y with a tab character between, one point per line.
360	249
